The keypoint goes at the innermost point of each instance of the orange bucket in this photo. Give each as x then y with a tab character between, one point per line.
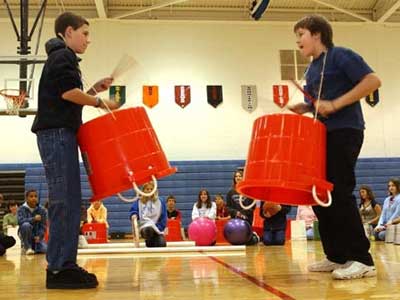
286	162
120	151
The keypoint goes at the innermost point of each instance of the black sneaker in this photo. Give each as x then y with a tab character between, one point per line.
75	278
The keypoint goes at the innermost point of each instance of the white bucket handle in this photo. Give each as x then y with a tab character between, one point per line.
319	202
139	192
135	231
128	200
246	207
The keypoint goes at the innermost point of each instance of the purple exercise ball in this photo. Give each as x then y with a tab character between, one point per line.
237	231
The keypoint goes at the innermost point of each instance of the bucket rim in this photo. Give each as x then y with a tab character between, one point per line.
298	190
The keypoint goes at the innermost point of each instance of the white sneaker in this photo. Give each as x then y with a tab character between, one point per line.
325	266
354	270
82	242
30	252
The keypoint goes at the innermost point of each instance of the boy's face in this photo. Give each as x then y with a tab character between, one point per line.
307	42
77	40
13	209
32	199
171	203
219	201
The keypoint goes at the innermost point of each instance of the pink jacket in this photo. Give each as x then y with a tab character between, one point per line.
305	212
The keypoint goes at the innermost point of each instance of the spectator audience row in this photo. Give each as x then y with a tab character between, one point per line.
152	214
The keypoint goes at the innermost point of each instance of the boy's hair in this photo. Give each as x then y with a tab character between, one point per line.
11	203
171	197
28	192
317	24
68	19
219	195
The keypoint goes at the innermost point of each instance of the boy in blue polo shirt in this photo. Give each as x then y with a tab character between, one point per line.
339	77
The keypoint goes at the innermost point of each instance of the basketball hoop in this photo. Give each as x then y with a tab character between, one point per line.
14	99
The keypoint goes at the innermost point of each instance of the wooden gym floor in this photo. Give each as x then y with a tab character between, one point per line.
261	272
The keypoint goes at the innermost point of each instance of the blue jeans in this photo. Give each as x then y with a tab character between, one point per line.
274	237
380	236
59	153
26	233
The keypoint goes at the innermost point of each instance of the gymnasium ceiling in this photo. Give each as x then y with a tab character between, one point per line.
376	11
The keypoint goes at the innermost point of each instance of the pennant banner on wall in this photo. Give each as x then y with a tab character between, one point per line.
182	95
150	95
281	95
249	97
214	95
373	99
118	94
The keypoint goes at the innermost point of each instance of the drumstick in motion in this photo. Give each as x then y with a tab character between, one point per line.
125	64
307	95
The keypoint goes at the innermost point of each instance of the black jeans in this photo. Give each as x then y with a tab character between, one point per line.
340	226
152	238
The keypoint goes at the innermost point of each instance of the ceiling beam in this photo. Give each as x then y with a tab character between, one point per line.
149	8
101	9
345	11
383	15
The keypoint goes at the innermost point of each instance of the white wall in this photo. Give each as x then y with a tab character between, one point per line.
202	53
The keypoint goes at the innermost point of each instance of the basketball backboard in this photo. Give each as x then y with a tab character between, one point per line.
16	85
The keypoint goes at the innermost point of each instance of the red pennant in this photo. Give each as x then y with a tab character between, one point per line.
182	95
281	95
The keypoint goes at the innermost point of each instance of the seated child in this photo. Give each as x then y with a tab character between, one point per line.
274	223
306	213
222	210
151	213
10	219
390	210
5	243
235	209
97	213
204	207
32	220
172	212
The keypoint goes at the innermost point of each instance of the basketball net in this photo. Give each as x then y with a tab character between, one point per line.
14	99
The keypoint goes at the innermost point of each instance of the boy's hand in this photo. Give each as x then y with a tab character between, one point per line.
326	108
110	104
299	108
37	218
103	84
